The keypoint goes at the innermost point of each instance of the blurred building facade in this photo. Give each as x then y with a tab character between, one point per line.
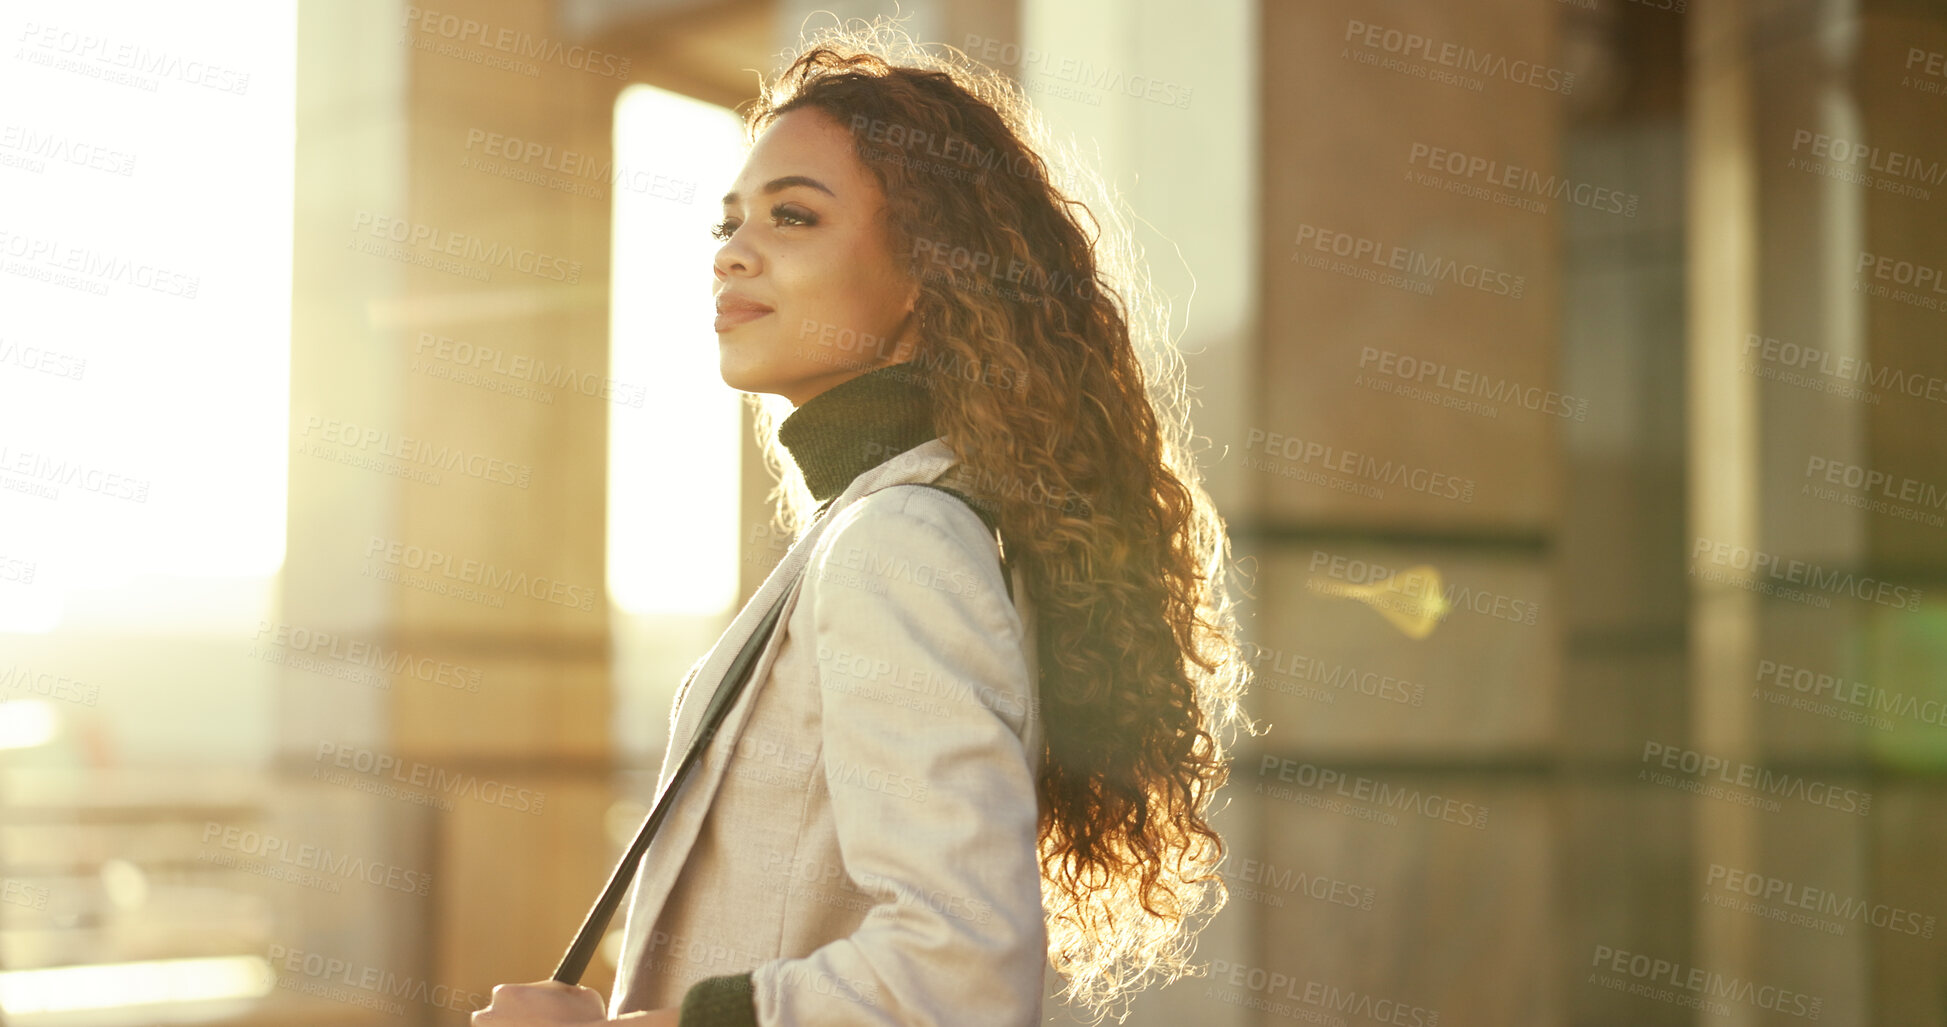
1573	381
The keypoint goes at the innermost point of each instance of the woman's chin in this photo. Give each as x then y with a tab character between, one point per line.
741	376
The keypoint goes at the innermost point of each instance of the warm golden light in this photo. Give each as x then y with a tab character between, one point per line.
1411	599
26	723
61	989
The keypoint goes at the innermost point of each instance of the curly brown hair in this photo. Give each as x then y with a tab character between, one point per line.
1031	343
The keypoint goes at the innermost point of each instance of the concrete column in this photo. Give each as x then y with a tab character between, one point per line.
1724	427
448	475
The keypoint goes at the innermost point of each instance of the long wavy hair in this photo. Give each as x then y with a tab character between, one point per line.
1034	335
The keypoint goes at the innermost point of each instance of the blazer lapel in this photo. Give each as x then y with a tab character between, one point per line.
664	858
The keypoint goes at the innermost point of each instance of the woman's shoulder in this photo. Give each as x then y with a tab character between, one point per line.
912	576
912	508
909	534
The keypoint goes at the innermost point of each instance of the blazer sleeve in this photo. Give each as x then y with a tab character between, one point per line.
934	800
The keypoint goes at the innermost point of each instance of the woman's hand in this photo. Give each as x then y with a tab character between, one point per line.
545	1004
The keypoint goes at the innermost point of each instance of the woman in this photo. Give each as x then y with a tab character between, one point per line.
946	771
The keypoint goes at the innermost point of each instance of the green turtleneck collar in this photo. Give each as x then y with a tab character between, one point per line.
857	425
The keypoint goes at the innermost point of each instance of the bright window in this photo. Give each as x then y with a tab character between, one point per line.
145	239
674	459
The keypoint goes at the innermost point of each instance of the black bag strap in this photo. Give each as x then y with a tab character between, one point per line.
593	926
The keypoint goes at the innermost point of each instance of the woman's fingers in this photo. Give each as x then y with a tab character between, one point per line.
541	1004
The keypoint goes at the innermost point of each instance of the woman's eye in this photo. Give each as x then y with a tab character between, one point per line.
780	215
783	213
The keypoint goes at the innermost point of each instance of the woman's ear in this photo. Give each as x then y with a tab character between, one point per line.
908	335
906	342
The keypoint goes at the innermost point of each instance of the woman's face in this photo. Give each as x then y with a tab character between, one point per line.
802	237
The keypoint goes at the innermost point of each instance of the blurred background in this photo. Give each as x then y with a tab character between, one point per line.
1574	381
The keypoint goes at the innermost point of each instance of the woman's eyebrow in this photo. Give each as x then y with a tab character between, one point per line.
730	199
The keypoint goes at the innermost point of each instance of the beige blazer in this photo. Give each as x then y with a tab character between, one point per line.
861	834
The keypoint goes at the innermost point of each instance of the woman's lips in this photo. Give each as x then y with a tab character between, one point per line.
735	316
733	312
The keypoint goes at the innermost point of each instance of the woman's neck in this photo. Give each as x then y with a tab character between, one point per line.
857	425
